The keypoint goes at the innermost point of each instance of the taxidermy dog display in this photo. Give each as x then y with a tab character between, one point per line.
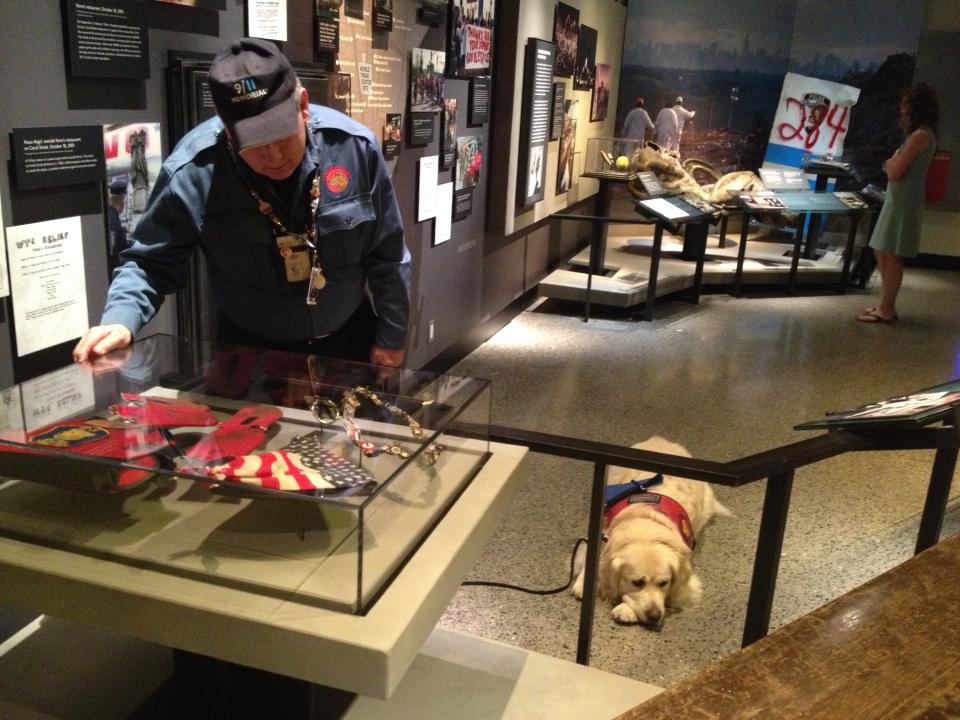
651	530
678	177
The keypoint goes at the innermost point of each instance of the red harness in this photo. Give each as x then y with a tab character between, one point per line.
661	503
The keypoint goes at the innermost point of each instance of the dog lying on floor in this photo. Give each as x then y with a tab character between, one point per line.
646	563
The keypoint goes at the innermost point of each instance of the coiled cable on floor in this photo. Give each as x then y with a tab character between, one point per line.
507	586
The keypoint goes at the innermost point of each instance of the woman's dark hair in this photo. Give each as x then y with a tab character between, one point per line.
921	103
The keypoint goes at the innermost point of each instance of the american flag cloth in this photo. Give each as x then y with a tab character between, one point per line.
277	470
343	474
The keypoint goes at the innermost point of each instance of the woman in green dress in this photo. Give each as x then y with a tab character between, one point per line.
897	233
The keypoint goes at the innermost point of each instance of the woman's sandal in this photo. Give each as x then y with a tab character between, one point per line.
872	316
873	311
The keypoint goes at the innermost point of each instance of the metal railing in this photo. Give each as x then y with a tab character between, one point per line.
777	466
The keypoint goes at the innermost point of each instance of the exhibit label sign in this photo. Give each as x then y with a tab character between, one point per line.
107	38
479	100
48	284
535	123
54	156
427	187
267	19
556	115
421	129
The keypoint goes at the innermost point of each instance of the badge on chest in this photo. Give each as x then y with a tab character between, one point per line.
295	252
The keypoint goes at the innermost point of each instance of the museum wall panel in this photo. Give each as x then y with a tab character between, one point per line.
535	19
39	94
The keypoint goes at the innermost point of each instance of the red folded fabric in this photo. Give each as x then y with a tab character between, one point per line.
278	470
237	435
163	412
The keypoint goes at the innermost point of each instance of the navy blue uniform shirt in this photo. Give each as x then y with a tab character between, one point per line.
202	199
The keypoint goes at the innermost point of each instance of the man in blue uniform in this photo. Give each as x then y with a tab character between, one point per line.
295	213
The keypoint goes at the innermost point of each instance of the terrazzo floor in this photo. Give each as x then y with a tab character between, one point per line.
726	378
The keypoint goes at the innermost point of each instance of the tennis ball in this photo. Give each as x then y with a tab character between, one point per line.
623	163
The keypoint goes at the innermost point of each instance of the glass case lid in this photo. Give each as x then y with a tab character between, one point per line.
234	418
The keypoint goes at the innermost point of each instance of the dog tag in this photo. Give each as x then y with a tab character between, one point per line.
317	283
296	258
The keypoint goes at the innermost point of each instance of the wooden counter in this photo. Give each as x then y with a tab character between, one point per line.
889	649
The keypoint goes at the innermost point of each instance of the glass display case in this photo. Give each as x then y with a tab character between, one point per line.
609	157
296	476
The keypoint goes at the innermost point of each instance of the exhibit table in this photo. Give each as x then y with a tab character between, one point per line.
804	203
337	586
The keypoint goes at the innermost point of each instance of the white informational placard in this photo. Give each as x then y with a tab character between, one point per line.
58	395
442	226
267	19
427	187
664	208
47	283
4	285
11	410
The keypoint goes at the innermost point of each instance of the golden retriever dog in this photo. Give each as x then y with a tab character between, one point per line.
646	565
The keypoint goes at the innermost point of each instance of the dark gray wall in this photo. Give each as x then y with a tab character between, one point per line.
33	77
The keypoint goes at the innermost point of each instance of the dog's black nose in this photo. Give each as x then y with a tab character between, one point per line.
653	617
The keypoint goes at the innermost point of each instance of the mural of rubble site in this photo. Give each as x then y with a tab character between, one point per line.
727	63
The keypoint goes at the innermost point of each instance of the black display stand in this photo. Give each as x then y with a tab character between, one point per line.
803	202
695	223
824	172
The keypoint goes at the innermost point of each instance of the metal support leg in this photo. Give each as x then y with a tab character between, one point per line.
722	239
586	305
938	492
773	522
588	604
698	273
848	252
741	254
795	263
654	270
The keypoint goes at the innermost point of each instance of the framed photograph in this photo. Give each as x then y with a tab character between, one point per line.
330	8
568	140
392	136
470	37
448	138
426	79
583	77
383	15
601	93
469	161
566	35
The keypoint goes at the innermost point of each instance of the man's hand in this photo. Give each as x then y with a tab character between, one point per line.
386	356
388	359
100	340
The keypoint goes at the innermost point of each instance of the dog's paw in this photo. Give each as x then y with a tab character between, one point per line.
623	613
687	594
577	588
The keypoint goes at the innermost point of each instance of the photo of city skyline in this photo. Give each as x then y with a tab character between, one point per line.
729	66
